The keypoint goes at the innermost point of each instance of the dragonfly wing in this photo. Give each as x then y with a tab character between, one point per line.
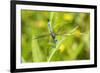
70	32
41	36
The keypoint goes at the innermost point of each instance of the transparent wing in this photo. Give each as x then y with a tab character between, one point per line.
41	36
68	27
70	32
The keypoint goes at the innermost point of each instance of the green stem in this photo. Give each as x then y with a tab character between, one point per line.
50	57
51	17
55	49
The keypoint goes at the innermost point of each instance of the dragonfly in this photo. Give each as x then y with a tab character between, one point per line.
53	34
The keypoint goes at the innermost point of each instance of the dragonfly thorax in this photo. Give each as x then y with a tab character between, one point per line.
53	35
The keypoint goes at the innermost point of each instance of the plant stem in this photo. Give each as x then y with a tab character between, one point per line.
51	17
50	57
55	49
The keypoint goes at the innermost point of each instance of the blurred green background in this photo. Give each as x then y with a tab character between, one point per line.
73	39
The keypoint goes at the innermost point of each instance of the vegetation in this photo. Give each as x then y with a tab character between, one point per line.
72	30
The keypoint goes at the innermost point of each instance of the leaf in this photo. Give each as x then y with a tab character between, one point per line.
36	52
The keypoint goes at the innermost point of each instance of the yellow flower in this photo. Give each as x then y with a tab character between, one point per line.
77	33
40	24
68	17
62	47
